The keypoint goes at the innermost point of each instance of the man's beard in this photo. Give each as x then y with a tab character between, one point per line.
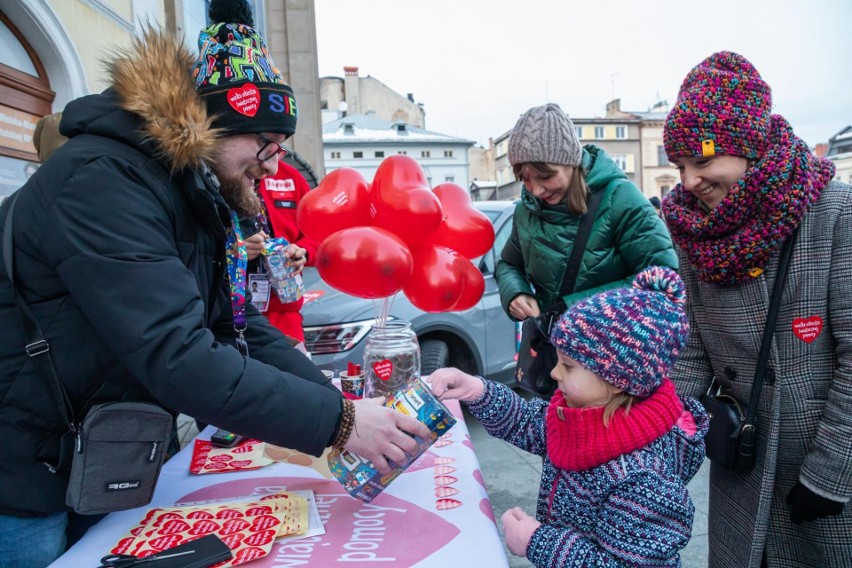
239	198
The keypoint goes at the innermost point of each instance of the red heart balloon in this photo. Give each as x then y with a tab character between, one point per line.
367	262
340	201
473	286
401	200
463	228
435	283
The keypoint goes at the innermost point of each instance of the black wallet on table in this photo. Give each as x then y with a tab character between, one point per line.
202	552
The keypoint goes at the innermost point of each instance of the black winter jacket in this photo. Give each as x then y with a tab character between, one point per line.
119	251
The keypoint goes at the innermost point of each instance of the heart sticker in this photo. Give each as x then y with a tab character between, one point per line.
383	369
245	100
807	329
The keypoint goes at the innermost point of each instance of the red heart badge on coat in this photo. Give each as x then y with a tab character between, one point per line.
807	329
383	369
245	100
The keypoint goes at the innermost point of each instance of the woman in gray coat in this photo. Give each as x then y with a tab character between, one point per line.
747	184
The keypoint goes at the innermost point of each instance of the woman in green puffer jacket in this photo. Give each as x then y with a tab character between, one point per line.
559	175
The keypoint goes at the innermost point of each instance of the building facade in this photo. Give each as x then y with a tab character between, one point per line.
618	137
654	175
507	186
367	96
362	142
56	49
840	152
634	140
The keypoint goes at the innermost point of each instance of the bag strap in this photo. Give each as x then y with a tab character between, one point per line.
37	346
577	250
769	329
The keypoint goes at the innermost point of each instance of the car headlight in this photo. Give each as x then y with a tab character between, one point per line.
337	337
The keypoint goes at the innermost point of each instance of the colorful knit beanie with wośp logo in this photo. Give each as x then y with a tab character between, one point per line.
723	107
628	336
236	78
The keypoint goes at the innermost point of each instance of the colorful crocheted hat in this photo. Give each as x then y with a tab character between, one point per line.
723	107
628	336
545	134
237	79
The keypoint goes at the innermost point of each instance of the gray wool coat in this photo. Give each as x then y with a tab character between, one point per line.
804	421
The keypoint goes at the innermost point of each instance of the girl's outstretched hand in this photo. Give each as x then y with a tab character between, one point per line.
453	383
518	528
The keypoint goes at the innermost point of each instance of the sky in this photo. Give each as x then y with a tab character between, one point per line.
477	65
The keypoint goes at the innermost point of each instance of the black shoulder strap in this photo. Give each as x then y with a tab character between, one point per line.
37	347
577	250
769	329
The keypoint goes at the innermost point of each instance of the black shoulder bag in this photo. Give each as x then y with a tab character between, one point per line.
731	438
536	355
117	451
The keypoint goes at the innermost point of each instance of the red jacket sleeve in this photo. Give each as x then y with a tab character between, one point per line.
281	194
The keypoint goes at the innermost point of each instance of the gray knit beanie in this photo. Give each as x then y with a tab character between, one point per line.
545	134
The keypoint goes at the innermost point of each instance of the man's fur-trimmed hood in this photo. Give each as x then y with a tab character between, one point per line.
152	79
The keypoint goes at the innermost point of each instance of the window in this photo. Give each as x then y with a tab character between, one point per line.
448	153
449	179
662	159
335	155
379	154
425	154
620	132
620	160
505	176
665	190
403	152
26	97
357	154
599	131
579	130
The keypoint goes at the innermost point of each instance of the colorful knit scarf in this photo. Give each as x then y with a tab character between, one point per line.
577	439
734	241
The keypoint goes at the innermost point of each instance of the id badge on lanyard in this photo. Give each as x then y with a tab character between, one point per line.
259	287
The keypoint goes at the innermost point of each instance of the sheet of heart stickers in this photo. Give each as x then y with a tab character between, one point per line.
249	528
248	454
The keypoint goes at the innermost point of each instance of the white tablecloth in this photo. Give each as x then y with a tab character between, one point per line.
437	513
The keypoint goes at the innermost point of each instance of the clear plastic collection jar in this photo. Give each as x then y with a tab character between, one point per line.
391	358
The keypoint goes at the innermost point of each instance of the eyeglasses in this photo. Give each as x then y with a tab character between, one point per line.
270	148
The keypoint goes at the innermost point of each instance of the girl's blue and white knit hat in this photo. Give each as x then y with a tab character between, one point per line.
630	337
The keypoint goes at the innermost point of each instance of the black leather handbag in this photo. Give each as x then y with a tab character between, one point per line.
536	355
730	442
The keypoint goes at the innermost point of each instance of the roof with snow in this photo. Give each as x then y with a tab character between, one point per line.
369	129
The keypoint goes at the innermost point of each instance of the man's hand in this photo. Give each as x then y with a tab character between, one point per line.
382	433
254	244
296	257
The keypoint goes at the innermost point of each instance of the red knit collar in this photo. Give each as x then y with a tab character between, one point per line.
577	439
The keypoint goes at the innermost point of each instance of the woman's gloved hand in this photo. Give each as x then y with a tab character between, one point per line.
805	505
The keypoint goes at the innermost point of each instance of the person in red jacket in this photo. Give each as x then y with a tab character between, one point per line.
280	195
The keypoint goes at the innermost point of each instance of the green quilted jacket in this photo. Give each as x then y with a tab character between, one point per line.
627	236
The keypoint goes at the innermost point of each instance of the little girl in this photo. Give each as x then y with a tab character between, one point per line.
619	444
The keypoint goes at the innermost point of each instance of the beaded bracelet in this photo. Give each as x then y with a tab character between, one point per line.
347	422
